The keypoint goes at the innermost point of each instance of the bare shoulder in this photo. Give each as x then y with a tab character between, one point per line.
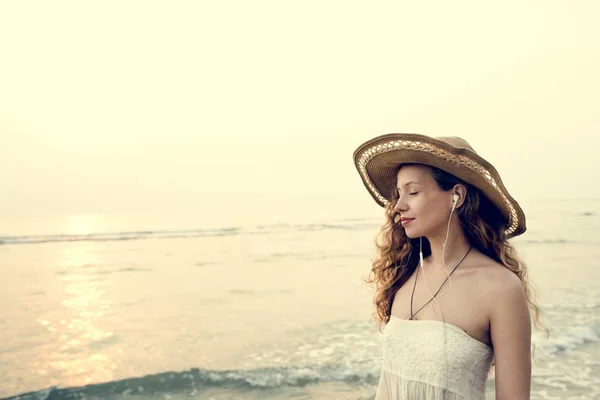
507	298
506	286
496	278
498	285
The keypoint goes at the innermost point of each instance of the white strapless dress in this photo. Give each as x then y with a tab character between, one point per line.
417	365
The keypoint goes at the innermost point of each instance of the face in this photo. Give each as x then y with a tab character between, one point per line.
423	206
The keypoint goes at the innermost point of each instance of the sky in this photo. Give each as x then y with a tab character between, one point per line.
147	114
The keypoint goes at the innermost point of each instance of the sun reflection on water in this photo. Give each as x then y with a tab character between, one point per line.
80	354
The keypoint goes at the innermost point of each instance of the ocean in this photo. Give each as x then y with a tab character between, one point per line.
272	311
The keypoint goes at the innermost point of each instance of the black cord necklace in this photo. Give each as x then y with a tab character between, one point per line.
412	316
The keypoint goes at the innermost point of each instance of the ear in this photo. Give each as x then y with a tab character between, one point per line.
461	191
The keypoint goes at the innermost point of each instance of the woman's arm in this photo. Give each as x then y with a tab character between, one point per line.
510	330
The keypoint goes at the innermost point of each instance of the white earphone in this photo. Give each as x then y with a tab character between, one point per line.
455	198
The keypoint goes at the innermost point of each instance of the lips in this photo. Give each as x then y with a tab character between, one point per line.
406	221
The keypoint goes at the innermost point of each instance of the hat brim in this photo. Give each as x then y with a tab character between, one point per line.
378	159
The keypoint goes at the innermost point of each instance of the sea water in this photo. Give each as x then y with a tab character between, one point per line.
273	311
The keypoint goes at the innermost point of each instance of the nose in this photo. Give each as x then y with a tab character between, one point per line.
400	206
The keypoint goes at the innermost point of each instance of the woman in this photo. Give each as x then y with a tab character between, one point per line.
449	286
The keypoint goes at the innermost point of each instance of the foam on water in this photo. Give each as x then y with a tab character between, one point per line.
349	225
570	339
196	379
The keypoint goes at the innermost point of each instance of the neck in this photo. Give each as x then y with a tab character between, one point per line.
456	247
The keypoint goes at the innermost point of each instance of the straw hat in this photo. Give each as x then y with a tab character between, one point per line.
377	161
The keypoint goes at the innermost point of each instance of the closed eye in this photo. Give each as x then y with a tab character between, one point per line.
410	194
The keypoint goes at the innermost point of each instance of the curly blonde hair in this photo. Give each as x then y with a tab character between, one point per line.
484	228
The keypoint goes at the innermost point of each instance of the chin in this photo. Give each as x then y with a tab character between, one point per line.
411	233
